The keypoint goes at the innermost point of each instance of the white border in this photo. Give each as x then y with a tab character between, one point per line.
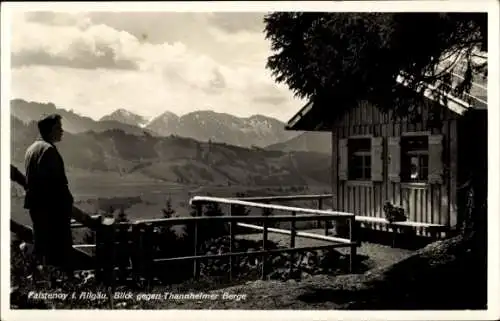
492	7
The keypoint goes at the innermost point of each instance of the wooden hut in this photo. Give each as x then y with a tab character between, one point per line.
417	165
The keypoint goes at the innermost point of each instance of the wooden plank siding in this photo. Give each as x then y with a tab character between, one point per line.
423	202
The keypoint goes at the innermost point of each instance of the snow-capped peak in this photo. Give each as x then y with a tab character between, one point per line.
124	116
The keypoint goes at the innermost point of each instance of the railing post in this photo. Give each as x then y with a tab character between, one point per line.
122	250
99	251
148	254
352	239
140	251
196	262
137	251
264	247
232	226
293	231
320	206
327	223
105	250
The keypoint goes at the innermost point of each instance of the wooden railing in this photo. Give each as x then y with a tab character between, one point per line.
144	229
319	198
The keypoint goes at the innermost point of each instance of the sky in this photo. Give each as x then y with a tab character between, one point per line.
147	62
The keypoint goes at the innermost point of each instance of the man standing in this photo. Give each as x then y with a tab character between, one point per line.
48	197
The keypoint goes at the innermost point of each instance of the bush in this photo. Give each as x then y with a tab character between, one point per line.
239	210
168	211
208	230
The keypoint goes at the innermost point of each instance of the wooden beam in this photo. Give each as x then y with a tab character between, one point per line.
299	233
206	199
252	218
285	198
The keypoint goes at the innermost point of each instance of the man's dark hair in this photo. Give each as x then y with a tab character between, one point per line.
46	124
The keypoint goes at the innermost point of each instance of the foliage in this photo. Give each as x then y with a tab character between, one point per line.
168	211
239	210
347	57
122	216
208	230
89	237
269	212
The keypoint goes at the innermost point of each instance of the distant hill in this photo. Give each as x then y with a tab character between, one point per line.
72	122
177	159
318	142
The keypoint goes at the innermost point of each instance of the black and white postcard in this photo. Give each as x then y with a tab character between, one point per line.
244	160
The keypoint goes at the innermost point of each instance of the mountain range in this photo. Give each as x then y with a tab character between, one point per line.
198	148
177	159
203	125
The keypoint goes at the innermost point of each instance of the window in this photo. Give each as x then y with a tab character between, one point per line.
414	159
359	159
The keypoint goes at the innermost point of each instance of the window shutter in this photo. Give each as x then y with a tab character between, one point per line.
394	159
436	159
343	160
376	159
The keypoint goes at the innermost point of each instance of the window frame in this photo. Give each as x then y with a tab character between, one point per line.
421	154
364	155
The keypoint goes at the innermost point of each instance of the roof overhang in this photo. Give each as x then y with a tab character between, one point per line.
310	119
432	92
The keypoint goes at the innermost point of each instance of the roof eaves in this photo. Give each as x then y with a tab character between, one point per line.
429	91
298	116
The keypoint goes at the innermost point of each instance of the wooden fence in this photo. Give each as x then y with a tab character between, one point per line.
142	235
140	243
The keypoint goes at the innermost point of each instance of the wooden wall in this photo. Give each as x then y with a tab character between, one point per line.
432	203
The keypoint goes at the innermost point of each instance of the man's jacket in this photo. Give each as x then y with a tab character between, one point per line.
46	181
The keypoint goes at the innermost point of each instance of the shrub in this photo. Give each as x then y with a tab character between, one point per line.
168	211
240	210
269	212
207	229
122	216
